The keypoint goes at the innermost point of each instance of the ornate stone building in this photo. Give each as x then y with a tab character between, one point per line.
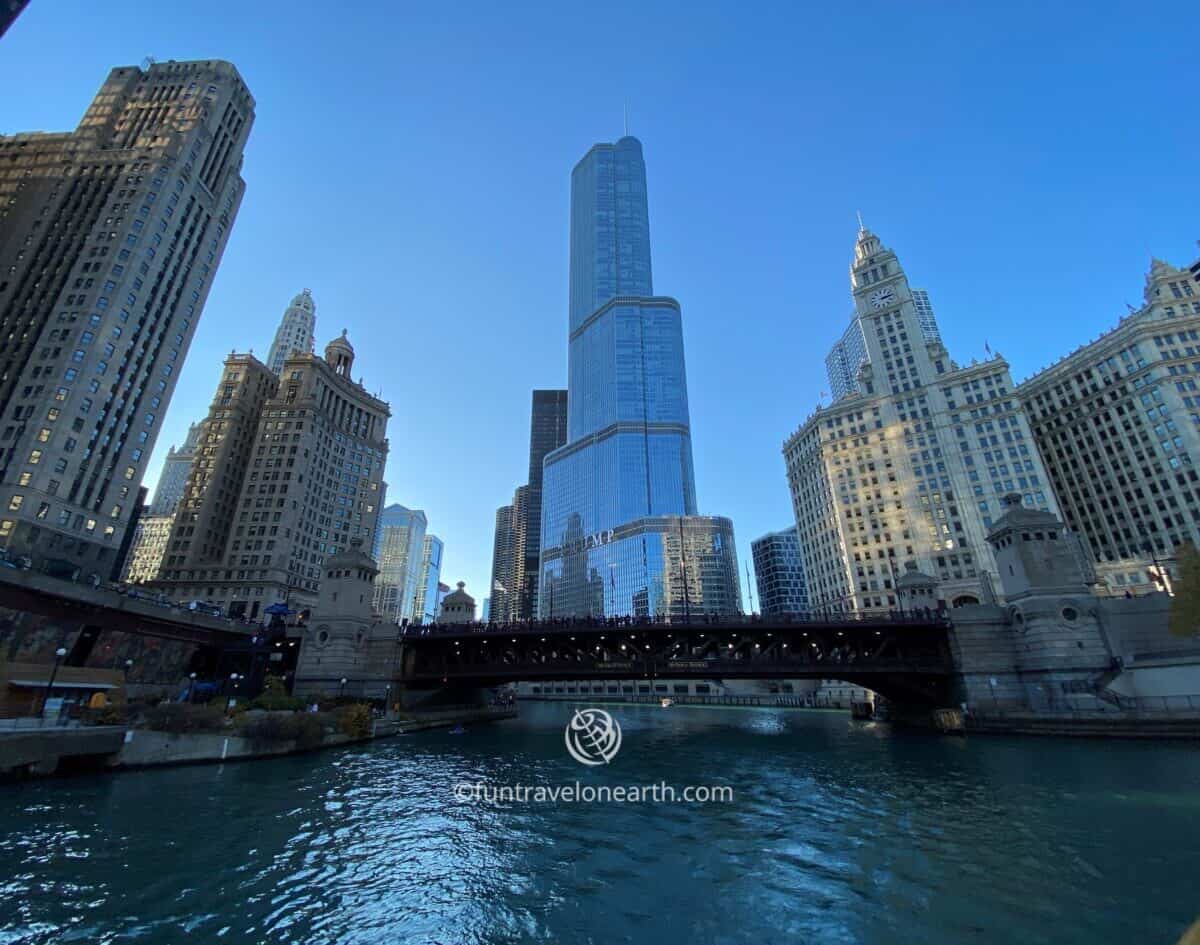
289	470
912	462
458	606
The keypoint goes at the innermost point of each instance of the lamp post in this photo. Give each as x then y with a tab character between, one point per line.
191	687
341	686
58	656
387	699
233	678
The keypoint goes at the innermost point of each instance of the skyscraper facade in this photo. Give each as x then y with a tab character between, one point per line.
398	547
1117	423
779	574
912	463
547	432
153	527
503	548
289	470
613	496
172	481
295	332
110	237
425	607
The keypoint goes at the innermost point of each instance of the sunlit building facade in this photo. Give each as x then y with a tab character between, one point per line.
425	607
912	461
619	494
398	553
295	334
149	545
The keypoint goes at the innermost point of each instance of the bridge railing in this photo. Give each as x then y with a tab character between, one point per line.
923	617
563	669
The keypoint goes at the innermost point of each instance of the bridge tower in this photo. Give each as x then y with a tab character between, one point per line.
344	638
1059	642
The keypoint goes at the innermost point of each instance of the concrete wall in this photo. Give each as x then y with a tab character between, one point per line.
41	751
158	748
1069	653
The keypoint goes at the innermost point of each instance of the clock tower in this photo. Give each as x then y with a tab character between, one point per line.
902	354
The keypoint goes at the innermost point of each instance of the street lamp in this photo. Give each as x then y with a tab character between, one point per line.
58	655
341	687
191	687
233	681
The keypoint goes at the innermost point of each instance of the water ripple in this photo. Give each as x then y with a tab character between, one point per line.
840	833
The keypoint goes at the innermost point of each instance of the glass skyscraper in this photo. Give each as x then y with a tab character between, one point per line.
620	533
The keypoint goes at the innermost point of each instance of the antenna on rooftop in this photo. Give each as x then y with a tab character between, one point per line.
148	62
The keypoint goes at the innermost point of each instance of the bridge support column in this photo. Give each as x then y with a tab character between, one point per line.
85	642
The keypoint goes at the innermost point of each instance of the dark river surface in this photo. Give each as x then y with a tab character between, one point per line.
839	832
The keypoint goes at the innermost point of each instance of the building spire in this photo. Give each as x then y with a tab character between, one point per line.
626	118
861	226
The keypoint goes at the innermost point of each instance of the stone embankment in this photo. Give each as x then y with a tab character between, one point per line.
57	749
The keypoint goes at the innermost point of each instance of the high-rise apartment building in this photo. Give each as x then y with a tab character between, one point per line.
779	573
1117	423
398	552
612	497
110	237
503	548
517	595
289	470
912	462
172	481
296	331
425	607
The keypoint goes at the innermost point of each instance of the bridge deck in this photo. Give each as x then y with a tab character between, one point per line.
896	652
36	593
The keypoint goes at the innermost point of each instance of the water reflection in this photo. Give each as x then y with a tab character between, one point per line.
840	832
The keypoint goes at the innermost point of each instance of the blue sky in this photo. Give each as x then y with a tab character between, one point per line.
410	164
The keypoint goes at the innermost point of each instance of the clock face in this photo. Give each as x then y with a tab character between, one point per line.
882	297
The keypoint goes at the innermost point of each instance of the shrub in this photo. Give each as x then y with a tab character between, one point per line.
275	698
114	713
180	718
306	729
354	720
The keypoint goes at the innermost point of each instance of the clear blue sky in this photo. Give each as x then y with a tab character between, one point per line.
410	164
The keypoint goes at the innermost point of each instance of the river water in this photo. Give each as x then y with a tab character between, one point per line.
839	832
